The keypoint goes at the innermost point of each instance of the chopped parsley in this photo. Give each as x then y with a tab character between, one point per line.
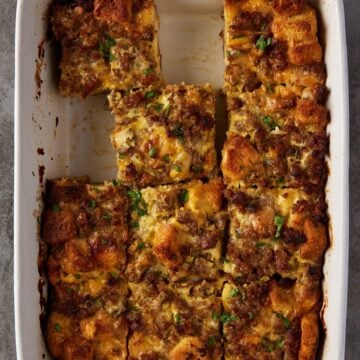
284	319
272	345
141	246
167	110
224	260
116	182
121	155
138	203
267	120
183	196
279	222
58	327
177	168
225	318
177	319
215	315
262	244
152	152
105	47
114	274
178	132
55	207
148	71
262	42
158	107
166	158
234	292
150	94
91	204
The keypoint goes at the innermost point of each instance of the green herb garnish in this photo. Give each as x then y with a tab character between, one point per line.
215	315
267	120
262	42
158	107
178	132
91	204
105	47
167	110
148	71
284	319
150	94
234	292
183	196
177	168
58	327
279	222
177	319
152	152
227	317
138	203
114	274
166	158
262	244
141	246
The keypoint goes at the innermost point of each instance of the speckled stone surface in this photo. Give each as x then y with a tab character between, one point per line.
7	29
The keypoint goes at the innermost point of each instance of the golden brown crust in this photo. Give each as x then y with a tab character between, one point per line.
177	233
106	45
164	136
85	227
309	337
274	166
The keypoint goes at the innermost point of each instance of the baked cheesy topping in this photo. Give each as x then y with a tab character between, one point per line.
106	45
164	135
158	268
274	164
178	232
85	228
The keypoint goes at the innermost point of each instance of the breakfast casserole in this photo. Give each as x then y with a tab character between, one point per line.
164	135
170	260
271	42
177	231
276	138
106	45
173	322
85	228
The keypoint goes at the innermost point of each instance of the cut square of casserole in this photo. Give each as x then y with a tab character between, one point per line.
274	319
177	232
276	139
164	136
271	43
274	231
106	45
169	322
85	228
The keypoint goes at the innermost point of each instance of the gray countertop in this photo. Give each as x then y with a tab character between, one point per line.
7	28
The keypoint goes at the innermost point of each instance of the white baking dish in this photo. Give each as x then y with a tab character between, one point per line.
78	143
